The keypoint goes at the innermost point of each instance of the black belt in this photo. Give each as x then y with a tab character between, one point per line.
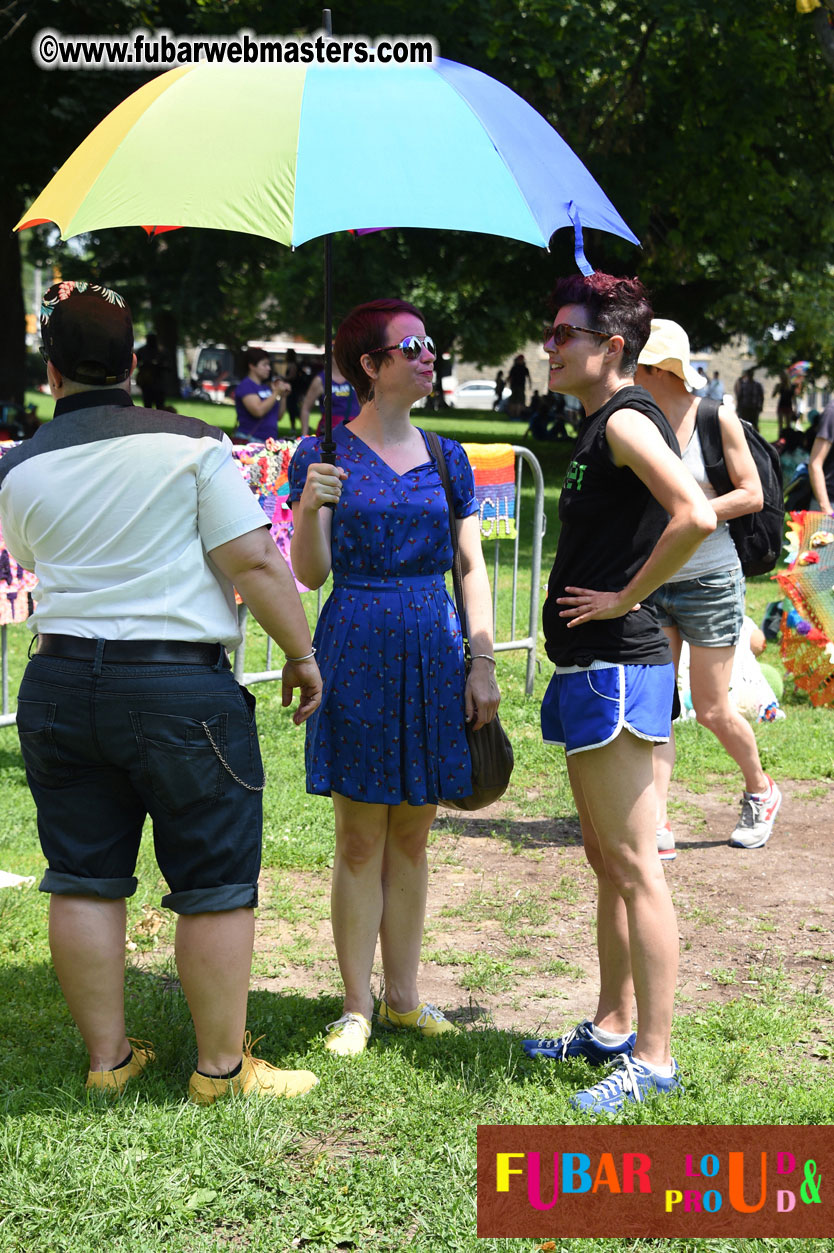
130	652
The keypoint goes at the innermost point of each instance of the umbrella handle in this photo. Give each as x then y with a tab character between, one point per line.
328	456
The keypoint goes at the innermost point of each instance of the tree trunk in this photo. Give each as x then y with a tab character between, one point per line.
12	317
167	330
823	18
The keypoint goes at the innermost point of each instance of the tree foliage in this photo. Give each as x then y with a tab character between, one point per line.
710	126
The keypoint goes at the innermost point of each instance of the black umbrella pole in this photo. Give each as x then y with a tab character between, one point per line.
328	447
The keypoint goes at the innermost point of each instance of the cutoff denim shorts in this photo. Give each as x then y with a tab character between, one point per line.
588	708
104	749
707	611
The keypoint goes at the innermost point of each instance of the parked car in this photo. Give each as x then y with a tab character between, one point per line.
214	377
449	384
476	394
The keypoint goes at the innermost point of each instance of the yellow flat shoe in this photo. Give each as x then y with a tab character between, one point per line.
114	1081
348	1036
426	1018
256	1077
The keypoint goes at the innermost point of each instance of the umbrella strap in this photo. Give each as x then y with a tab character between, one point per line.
582	262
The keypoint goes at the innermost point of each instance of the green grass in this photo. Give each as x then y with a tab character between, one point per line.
381	1156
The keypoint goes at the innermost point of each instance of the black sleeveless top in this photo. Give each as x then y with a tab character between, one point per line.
610	525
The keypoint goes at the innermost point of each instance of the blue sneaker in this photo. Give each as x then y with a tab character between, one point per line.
580	1042
629	1080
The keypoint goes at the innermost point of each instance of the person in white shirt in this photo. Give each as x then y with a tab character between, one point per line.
139	526
715	388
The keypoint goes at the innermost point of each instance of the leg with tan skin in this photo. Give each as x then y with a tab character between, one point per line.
664	754
214	961
404	886
616	988
87	940
709	671
356	895
616	787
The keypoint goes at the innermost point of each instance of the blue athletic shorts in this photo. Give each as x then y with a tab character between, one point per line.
588	708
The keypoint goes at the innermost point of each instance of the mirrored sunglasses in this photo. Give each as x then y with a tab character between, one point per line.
560	333
411	346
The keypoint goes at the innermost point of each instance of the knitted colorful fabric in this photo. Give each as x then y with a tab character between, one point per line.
265	469
15	582
494	468
808	631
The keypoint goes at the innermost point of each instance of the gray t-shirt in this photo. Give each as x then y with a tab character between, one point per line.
717	552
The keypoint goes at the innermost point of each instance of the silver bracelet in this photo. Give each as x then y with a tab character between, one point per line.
306	657
482	657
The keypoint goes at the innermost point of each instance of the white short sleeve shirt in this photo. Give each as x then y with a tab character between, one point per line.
115	509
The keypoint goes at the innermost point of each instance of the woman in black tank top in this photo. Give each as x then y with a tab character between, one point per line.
630	516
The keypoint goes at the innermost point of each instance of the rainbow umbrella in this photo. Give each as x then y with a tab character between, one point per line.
452	148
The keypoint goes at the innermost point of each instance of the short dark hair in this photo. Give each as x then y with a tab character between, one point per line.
253	355
617	306
364	330
87	333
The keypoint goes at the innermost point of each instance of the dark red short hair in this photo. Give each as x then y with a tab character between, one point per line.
365	330
617	306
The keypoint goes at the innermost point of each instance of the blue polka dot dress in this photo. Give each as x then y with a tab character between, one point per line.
390	727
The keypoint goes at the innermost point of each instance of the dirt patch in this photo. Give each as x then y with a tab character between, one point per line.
510	922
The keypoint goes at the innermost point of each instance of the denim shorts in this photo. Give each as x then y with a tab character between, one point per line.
707	611
103	750
586	709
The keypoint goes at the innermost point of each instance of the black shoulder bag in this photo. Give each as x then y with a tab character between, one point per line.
489	748
758	537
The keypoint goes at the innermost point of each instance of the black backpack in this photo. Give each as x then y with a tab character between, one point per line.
758	537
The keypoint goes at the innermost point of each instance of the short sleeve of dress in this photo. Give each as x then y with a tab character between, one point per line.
307	453
461	478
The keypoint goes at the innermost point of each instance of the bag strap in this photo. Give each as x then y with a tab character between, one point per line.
436	449
712	445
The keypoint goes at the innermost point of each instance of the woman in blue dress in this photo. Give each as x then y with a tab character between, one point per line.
389	738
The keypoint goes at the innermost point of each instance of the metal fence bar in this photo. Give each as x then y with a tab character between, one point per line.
515	545
539	528
6	719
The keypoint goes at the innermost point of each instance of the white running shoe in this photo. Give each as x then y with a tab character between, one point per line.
758	814
666	843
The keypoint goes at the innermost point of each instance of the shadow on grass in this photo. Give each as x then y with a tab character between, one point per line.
519	832
10	758
43	1063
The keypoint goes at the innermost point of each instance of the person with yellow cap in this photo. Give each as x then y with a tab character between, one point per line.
703	602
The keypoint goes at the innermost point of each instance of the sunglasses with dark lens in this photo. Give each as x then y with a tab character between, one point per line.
44	352
411	346
560	333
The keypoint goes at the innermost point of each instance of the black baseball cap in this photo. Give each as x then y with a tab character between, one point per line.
87	333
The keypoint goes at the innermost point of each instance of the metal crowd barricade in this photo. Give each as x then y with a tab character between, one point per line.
6	719
527	642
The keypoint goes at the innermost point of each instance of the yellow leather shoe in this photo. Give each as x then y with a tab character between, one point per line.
255	1078
426	1018
114	1082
